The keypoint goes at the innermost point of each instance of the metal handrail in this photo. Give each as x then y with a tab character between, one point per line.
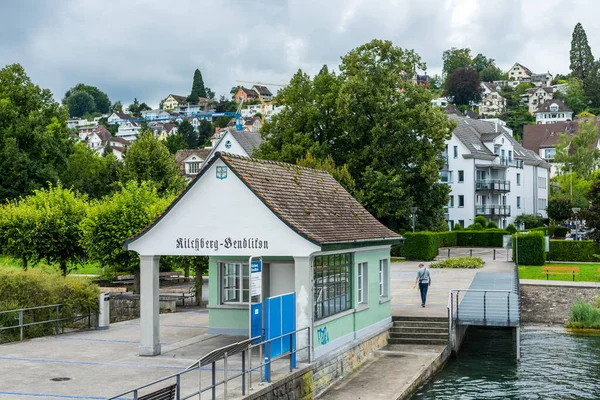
227	378
56	320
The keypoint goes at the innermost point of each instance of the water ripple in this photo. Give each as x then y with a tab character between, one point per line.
554	365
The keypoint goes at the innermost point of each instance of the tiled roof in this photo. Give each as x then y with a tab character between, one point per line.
262	90
103	134
310	201
178	98
248	140
249	92
545	106
181	155
547	89
119	140
452	109
124	116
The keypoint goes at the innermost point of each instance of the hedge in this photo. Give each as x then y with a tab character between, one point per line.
424	245
532	249
25	289
573	250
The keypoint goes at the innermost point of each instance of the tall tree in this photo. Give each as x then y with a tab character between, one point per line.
578	153
80	103
175	142
463	86
591	86
491	73
335	115
148	159
456	58
101	100
117	107
591	212
575	97
481	62
189	135
205	129
34	141
198	89
582	59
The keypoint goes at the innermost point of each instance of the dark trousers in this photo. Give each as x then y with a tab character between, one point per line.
423	288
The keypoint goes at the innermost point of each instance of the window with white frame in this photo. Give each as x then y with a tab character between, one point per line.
362	284
384	273
518	179
541	182
194	167
542	204
234	283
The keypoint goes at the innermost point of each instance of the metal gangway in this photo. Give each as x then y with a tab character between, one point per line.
492	299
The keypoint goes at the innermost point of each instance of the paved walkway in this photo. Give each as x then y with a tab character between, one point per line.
105	363
406	300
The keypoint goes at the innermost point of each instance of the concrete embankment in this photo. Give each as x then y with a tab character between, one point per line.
550	301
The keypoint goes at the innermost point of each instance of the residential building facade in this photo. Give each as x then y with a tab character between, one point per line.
492	103
245	95
492	175
552	111
129	131
173	100
155	115
537	96
263	92
118	118
519	72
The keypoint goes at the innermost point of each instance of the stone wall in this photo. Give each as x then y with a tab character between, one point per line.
124	307
314	379
552	304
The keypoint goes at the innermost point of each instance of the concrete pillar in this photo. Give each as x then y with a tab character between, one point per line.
149	306
304	303
518	340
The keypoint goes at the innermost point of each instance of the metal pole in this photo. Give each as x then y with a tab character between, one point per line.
214	380
21	323
471	252
518	343
484	312
250	368
448	252
457	307
494	254
291	354
508	307
199	381
178	387
225	376
244	372
269	363
135	394
57	306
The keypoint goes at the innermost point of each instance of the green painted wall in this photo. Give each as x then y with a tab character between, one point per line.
329	331
228	318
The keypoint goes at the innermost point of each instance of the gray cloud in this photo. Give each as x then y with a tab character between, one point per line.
148	49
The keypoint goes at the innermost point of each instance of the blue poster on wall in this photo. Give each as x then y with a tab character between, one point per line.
256	321
280	320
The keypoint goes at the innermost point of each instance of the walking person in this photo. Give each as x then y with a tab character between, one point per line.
424	280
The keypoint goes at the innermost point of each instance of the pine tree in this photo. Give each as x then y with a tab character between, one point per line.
582	59
198	89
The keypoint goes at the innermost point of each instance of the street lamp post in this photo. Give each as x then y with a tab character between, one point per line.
413	213
575	211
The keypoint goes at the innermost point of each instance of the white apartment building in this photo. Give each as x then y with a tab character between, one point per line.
552	111
129	130
492	175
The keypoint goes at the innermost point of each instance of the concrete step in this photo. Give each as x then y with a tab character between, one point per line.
418	341
419	329
423	335
424	319
423	324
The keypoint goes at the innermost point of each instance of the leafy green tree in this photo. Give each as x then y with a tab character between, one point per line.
117	107
175	142
116	218
436	82
148	159
205	129
592	86
463	86
198	89
491	73
57	228
591	212
559	208
222	122
34	141
456	58
581	56
80	103
572	187
101	103
136	108
529	221
575	97
335	115
188	134
210	94
578	153
481	62
89	173
197	265
17	232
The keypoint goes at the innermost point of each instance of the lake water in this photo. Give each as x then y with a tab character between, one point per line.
554	365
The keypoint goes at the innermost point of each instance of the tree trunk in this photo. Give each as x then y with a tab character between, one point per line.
187	272
198	281
24	258
63	268
136	281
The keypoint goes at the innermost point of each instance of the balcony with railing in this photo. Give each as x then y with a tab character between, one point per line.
492	210
510	162
492	185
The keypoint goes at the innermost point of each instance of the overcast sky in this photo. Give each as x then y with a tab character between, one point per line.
148	49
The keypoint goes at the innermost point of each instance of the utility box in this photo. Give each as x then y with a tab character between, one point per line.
104	311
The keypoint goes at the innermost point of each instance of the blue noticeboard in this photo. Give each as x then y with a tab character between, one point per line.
280	319
256	320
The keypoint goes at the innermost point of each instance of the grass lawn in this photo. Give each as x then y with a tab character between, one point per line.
86	268
398	259
587	272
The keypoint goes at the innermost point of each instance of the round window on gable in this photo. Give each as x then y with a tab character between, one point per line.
228	144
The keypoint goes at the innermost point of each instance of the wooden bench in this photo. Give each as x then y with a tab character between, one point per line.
182	294
171	276
561	271
166	393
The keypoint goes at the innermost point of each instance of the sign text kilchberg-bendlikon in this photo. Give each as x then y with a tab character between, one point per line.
227	243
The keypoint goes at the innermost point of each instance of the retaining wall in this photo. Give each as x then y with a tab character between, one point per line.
313	380
552	304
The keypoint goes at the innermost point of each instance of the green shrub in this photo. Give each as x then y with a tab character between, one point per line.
475	227
560	231
573	250
491	225
25	289
459	262
424	245
532	248
480	220
583	315
457	227
511	229
487	238
529	220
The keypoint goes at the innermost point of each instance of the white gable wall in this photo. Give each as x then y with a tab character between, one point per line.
217	215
